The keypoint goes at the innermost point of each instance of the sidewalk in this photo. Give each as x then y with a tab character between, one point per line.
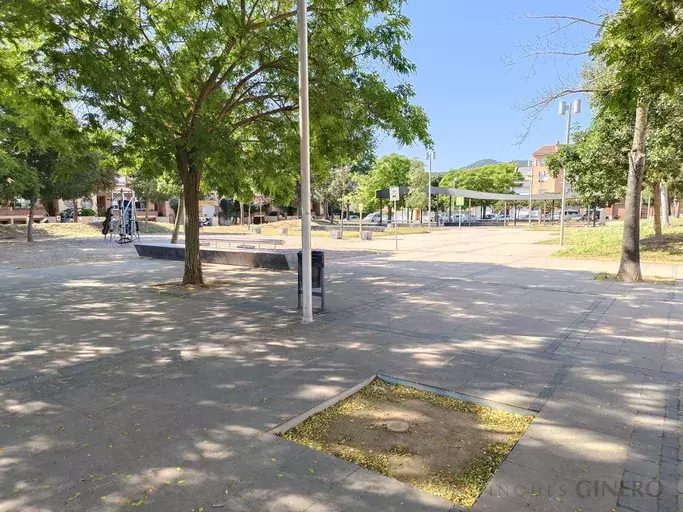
115	394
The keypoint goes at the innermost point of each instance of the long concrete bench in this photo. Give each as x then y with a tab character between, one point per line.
241	241
278	260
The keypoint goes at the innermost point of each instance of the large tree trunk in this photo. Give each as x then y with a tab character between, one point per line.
665	205
658	209
190	177
75	211
179	218
678	206
629	268
31	210
50	208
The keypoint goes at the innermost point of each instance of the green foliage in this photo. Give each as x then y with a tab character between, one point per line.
597	161
665	141
389	171
173	203
224	81
496	178
44	152
211	87
418	181
642	48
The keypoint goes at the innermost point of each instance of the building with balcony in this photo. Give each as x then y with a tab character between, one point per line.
540	176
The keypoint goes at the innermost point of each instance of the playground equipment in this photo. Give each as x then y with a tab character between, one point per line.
126	224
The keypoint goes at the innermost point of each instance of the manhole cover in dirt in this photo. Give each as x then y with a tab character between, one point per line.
398	426
446	447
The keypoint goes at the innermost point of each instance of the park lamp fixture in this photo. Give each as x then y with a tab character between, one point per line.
566	105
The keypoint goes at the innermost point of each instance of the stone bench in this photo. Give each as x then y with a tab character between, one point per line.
242	241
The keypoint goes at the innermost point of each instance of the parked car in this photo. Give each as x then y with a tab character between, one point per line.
354	217
67	215
462	218
372	218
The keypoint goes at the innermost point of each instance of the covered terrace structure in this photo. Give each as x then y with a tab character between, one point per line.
513	199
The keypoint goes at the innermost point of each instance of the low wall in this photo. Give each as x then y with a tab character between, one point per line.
350	227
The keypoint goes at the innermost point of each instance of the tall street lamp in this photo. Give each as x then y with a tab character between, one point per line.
305	155
431	155
566	108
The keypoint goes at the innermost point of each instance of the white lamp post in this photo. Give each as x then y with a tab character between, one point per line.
431	155
305	152
566	108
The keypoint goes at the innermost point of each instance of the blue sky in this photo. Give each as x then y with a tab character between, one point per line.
467	90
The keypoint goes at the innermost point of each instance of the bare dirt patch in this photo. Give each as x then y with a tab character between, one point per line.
607	276
451	449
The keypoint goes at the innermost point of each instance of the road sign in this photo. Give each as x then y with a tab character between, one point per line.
393	194
459	201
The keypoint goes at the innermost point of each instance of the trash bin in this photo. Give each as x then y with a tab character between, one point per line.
317	277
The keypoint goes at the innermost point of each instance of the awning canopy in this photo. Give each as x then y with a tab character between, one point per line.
475	194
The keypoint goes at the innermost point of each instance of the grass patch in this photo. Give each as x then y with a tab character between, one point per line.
452	449
294	229
94	230
605	243
608	276
73	230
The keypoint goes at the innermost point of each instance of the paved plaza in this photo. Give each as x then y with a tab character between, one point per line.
120	396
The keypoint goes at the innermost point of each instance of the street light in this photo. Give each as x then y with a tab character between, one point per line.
566	108
305	155
431	155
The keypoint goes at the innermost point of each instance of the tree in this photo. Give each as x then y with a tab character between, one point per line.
18	178
366	192
636	55
212	85
596	160
340	186
389	171
496	178
418	181
665	152
642	46
153	189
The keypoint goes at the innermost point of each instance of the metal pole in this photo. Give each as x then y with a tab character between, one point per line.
505	214
395	228
360	222
304	132
531	188
564	179
429	196
450	210
342	216
469	208
459	216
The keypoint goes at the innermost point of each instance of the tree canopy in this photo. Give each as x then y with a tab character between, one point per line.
211	87
496	178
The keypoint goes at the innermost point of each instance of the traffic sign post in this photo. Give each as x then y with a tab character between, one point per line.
360	220
394	193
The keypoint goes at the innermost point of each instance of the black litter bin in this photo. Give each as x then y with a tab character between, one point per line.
317	277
